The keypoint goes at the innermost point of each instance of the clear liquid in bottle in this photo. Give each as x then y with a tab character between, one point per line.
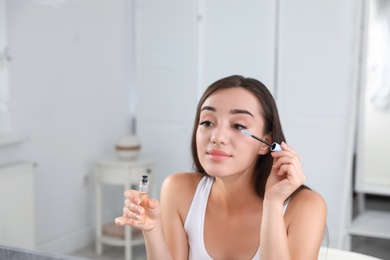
143	195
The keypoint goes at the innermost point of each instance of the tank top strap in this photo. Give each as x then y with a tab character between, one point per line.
194	223
285	204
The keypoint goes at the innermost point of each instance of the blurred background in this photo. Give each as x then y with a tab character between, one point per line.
77	75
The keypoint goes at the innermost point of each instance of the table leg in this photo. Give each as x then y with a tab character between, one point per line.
99	246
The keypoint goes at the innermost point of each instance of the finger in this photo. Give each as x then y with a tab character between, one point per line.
133	196
281	161
283	169
124	219
280	154
291	174
130	214
153	203
286	157
288	170
119	221
286	147
285	160
134	207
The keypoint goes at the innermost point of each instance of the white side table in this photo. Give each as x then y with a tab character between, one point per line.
125	173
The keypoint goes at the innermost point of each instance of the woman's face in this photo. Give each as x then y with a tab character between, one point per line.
222	149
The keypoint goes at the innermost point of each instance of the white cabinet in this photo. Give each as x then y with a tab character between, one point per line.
17	203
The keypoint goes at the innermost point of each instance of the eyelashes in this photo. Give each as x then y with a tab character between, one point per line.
239	127
235	126
205	123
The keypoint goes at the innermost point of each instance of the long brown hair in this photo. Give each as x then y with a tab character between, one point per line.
271	119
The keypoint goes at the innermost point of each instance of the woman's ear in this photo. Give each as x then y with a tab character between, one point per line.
264	149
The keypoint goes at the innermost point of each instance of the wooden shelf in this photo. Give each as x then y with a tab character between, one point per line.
111	229
371	223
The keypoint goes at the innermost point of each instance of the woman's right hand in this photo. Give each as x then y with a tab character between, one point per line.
132	212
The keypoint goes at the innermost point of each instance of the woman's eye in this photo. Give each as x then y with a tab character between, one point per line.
239	127
205	123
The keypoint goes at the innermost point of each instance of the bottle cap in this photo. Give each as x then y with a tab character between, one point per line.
144	179
276	147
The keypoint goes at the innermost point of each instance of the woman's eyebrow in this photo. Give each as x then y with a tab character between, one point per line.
210	108
241	111
233	111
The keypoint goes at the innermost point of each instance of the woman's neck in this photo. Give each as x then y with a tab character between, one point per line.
232	193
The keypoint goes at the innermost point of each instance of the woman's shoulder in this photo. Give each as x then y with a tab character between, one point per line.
182	180
308	198
306	203
178	190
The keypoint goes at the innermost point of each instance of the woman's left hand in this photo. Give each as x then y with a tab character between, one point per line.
286	174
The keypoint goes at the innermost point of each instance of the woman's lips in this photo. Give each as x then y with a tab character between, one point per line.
218	155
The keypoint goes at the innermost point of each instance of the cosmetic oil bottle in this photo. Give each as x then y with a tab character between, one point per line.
143	195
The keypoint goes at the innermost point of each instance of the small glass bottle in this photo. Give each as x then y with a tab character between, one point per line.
143	195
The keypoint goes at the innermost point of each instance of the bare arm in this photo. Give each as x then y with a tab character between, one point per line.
273	236
298	234
155	243
176	196
306	225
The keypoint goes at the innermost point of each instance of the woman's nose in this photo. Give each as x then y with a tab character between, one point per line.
219	136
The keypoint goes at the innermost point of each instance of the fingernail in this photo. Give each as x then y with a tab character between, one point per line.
118	221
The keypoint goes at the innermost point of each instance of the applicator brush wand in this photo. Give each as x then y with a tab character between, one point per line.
275	147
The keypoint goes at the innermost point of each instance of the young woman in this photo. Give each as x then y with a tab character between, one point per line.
243	201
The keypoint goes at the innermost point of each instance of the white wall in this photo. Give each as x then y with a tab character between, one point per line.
238	37
319	50
70	97
166	43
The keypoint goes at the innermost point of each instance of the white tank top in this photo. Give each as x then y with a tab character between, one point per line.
194	223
